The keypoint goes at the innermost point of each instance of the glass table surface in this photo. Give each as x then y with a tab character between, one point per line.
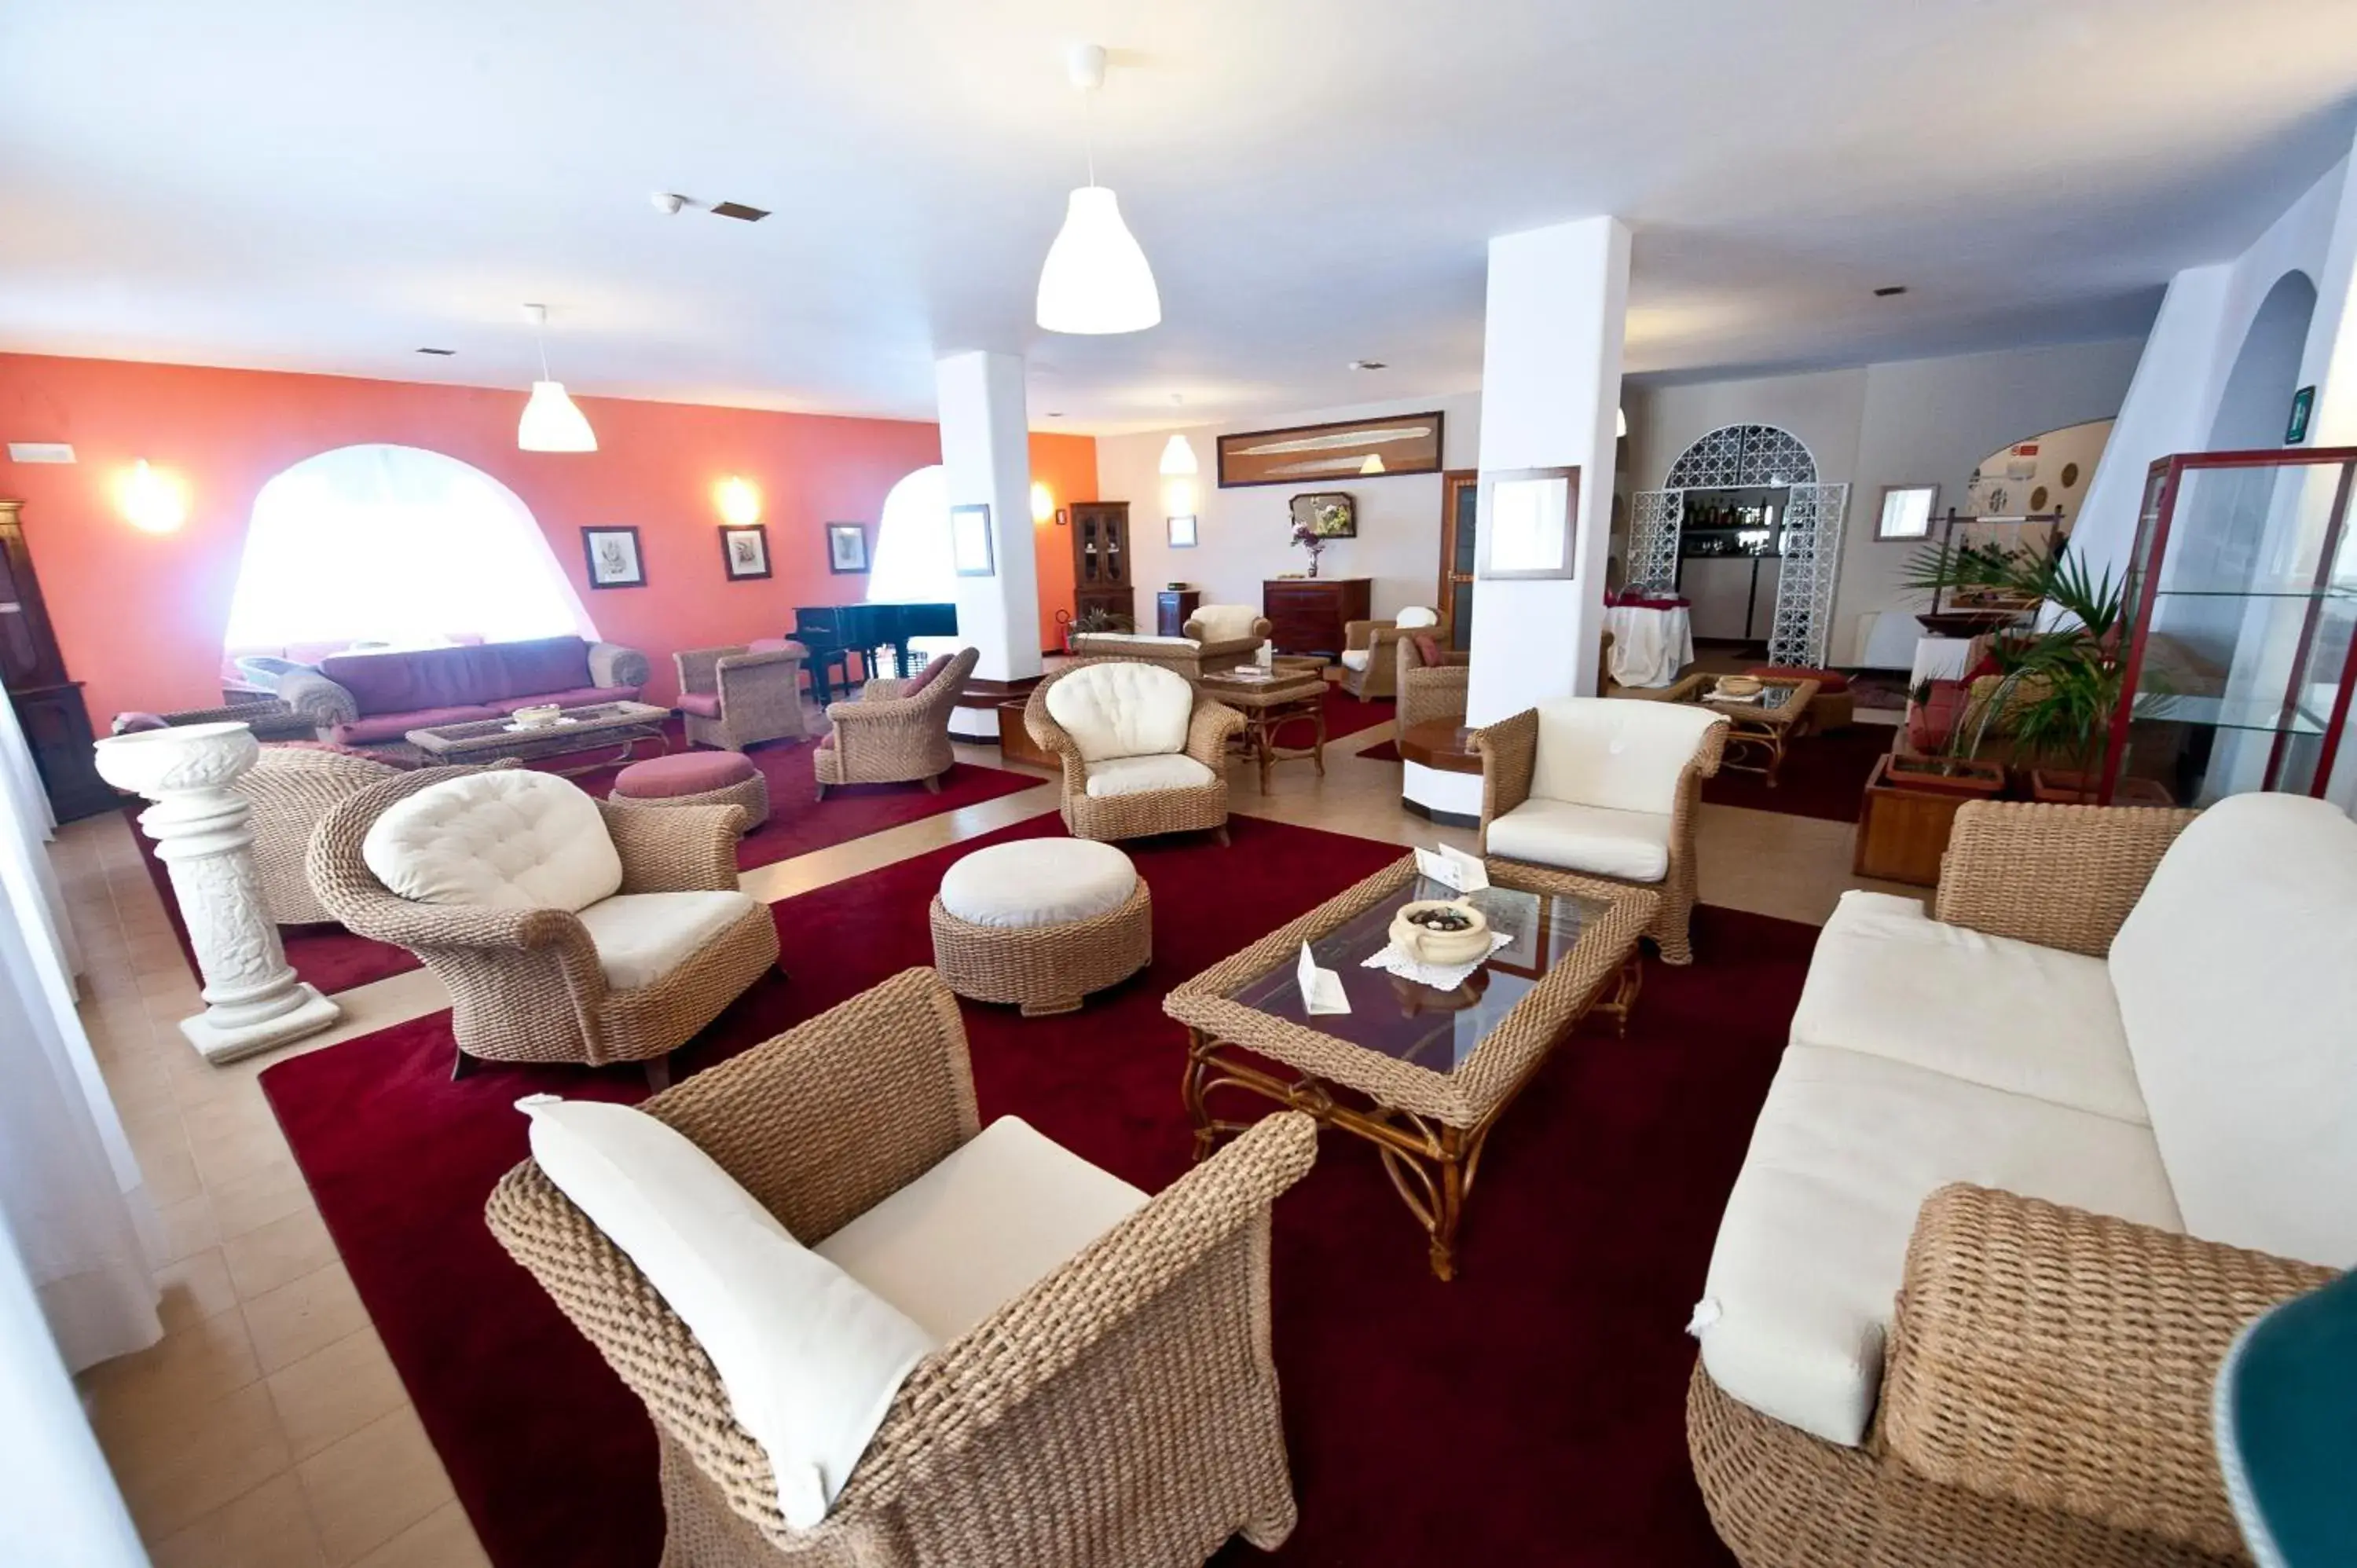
1398	1018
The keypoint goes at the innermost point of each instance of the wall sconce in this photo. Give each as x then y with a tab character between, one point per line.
152	503
739	501
1043	503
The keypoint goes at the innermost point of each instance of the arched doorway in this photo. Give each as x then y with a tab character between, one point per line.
2256	404
397	546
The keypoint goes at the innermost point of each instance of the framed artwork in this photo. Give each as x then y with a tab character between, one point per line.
1403	444
1906	511
614	559
970	550
1182	531
2303	408
1329	514
745	550
846	547
1528	524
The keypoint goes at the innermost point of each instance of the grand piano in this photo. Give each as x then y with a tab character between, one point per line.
833	632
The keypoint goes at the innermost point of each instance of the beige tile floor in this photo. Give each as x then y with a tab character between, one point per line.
268	1427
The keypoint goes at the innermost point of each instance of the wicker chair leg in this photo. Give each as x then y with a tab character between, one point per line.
1049	1009
461	1065
1219	835
1672	934
1270	1531
659	1073
822	792
933	785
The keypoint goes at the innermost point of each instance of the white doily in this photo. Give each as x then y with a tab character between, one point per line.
1440	977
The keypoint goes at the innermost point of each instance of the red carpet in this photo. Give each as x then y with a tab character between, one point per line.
1823	776
1385	751
333	958
1345	715
1531	1412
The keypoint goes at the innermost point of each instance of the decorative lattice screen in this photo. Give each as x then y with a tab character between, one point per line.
1735	456
1653	520
1805	590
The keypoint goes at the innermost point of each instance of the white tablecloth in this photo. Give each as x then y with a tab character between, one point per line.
1649	646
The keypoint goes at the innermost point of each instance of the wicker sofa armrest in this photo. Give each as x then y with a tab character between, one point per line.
881	689
1358	634
2061	876
319	701
1209	730
611	664
2064	1360
1510	757
676	849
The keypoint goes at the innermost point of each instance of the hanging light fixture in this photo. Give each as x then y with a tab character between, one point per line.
550	422
1178	456
1095	279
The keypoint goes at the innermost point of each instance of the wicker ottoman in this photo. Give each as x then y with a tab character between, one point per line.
1041	923
695	779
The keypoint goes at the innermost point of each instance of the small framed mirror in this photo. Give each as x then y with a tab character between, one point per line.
1528	524
970	547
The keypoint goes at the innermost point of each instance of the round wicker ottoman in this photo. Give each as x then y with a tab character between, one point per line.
1041	923
695	779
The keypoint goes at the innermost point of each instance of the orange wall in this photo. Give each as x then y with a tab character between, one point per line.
141	616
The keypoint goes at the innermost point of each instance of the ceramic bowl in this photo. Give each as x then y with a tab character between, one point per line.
1426	945
539	717
1740	686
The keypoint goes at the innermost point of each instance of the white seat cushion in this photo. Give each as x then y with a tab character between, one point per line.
641	937
981	1228
1038	882
1415	616
1813	1240
1891	982
1222	623
1357	658
510	838
1122	710
2238	988
1143	775
1598	751
1113	640
811	1357
1632	845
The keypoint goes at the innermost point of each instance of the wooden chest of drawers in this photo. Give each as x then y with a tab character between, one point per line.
1307	613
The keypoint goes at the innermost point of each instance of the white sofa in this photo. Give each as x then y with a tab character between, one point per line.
1218	637
2195	1072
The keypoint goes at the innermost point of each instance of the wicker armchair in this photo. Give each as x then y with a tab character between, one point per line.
1376	677
1204	805
1427	692
887	739
525	983
1122	1410
290	790
735	697
1510	766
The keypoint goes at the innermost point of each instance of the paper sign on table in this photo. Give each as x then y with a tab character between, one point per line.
1452	868
1321	989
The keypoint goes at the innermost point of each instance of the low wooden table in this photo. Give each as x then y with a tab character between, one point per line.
590	728
1421	1074
1763	723
1268	706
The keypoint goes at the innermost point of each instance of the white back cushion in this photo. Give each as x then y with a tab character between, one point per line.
1415	616
1224	623
1613	751
810	1357
1122	710
510	838
2236	974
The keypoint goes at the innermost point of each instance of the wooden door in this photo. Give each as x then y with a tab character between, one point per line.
1460	498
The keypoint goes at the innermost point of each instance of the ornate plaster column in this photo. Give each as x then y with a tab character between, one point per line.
253	1000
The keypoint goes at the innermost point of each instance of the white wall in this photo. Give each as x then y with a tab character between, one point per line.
1245	535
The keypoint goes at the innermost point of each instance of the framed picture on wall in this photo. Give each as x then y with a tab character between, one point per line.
970	549
1402	444
745	550
1528	524
846	547
1182	531
614	559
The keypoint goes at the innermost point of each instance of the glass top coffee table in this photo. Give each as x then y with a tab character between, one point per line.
591	727
1420	1073
1761	724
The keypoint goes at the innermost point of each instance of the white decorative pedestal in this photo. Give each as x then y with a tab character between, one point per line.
253	1000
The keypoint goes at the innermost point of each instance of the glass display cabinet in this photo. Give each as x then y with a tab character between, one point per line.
2241	593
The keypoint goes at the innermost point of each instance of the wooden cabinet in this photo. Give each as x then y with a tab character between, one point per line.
1308	614
1101	559
1171	608
48	705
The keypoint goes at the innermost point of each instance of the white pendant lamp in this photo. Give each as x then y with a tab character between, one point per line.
1096	279
552	422
1178	456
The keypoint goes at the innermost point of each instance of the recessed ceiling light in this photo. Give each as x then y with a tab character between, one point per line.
446	353
1368	365
1055	413
1887	290
738	209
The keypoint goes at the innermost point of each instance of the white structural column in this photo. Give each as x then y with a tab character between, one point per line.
1550	398
253	999
987	457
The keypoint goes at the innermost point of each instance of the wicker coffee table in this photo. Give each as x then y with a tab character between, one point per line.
1421	1074
1290	697
1762	724
590	728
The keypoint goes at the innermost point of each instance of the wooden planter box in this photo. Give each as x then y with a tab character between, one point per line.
2062	787
1903	827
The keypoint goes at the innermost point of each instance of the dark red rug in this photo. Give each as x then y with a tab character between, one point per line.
1530	1411
333	958
1345	715
1822	776
1383	751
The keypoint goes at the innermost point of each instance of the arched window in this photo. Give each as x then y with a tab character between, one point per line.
913	564
399	545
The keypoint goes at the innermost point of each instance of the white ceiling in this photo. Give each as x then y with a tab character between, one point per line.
315	185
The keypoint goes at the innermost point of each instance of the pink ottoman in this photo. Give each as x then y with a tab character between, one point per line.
695	779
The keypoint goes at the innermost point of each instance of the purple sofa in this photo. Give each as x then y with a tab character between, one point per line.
374	699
